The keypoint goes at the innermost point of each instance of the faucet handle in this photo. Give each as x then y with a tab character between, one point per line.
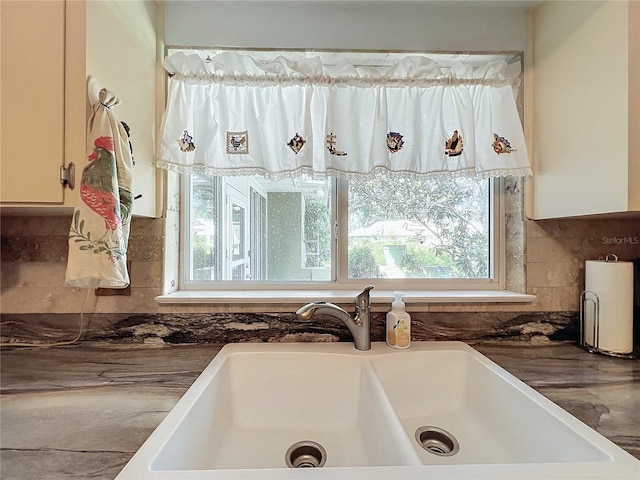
364	300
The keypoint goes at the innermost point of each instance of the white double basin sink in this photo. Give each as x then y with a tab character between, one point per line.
439	410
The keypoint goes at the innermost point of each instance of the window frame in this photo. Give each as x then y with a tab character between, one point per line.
339	278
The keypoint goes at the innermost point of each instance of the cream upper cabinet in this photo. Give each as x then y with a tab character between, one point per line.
49	49
32	92
583	84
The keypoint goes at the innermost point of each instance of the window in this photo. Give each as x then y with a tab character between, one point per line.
419	229
305	169
263	231
392	230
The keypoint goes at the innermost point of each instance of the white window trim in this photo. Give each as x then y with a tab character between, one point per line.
378	296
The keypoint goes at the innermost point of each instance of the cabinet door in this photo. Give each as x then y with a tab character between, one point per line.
32	96
584	130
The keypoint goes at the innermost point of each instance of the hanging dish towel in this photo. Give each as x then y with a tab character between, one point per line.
99	230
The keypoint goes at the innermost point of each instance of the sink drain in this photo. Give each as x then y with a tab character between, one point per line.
306	454
437	441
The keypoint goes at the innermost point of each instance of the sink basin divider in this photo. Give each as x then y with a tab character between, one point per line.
395	430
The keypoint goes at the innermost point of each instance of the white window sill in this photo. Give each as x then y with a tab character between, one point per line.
260	297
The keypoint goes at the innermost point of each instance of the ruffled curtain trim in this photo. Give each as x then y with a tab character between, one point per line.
309	173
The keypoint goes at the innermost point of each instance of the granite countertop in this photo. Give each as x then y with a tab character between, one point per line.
81	411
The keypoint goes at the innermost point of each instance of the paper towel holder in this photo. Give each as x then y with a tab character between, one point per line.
588	298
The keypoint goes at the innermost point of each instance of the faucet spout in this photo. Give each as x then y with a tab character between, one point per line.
322	308
359	325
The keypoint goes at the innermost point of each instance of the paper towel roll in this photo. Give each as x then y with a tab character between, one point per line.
612	282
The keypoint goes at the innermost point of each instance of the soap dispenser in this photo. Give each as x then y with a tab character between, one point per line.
398	324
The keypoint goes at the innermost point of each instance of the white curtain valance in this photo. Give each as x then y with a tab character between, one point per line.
233	115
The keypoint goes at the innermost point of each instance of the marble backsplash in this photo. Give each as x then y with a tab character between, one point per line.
187	328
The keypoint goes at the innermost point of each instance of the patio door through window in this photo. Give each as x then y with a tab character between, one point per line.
237	255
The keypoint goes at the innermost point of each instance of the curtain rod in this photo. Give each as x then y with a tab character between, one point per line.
510	56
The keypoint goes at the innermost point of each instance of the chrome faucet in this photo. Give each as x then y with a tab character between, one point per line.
359	325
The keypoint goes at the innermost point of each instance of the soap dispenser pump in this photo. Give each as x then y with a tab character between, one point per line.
398	324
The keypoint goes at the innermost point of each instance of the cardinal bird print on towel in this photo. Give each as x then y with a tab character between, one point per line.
97	184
